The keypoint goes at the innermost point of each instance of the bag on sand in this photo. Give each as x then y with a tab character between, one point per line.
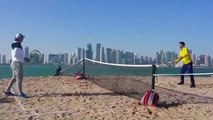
150	98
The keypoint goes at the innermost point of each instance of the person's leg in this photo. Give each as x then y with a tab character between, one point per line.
183	70
12	80
19	77
190	70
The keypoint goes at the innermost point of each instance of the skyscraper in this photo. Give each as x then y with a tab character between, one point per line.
78	53
4	59
62	58
129	57
89	52
53	58
207	60
136	59
108	55
98	52
72	55
66	58
118	57
42	58
201	60
142	60
162	57
158	58
170	56
27	53
194	59
212	62
113	56
83	55
102	55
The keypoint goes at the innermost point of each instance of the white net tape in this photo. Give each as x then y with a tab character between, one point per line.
188	74
118	65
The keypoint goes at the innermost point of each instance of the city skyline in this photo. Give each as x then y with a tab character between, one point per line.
139	25
109	55
27	50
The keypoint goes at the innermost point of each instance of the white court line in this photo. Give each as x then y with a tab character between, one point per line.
47	113
19	102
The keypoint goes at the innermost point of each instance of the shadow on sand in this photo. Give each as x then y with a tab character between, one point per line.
6	100
135	88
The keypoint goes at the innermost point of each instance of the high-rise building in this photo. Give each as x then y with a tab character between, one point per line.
89	52
136	59
4	59
212	62
162	57
66	58
72	55
53	59
146	60
108	55
170	56
128	58
150	61
142	61
118	57
207	60
42	58
194	59
75	60
102	55
0	58
98	52
63	58
158	58
113	56
201	60
83	53
79	53
26	52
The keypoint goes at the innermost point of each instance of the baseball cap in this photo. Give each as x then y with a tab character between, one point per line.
18	35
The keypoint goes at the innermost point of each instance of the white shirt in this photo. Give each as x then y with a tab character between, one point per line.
17	52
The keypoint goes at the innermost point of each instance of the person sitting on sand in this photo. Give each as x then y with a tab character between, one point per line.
185	57
58	71
18	59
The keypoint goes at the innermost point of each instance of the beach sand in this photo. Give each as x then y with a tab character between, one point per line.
67	98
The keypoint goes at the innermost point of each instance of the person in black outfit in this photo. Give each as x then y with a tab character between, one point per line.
58	70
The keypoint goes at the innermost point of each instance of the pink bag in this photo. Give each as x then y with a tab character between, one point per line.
150	98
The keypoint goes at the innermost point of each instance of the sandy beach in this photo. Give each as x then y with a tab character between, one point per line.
53	98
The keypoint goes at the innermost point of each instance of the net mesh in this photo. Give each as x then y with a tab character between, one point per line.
132	81
96	68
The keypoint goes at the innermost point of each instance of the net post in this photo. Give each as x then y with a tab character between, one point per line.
153	77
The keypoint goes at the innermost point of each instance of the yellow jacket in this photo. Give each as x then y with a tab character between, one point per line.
184	56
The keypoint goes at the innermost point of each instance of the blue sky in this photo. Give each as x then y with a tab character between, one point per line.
143	26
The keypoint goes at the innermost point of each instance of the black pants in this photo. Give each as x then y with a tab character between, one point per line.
187	67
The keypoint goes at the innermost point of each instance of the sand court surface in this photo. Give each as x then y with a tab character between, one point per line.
66	98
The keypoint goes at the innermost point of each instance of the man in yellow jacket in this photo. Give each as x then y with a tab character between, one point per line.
185	57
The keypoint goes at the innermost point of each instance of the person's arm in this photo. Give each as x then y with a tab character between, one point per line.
178	60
